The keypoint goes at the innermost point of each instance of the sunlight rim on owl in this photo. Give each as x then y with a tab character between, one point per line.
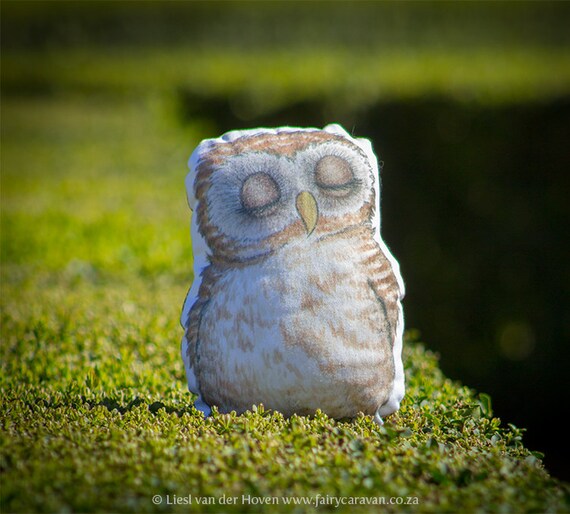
296	300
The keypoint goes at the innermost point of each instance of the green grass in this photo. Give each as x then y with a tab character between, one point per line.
95	417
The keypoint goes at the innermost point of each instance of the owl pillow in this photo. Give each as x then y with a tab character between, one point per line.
296	300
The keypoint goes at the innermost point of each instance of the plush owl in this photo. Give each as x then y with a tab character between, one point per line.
296	300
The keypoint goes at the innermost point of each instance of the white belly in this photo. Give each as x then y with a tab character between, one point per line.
295	341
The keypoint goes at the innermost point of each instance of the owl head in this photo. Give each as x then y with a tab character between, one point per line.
255	191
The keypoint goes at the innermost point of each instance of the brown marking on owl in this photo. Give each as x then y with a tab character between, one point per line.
245	344
262	323
284	143
202	184
324	286
305	339
310	302
281	287
243	317
387	291
372	259
297	337
294	370
277	357
368	244
328	367
348	337
330	226
293	231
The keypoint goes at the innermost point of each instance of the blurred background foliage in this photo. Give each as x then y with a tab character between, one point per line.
467	104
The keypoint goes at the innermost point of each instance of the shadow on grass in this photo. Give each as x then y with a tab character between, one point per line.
111	404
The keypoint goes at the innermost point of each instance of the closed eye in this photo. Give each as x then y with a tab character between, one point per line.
334	175
259	194
342	189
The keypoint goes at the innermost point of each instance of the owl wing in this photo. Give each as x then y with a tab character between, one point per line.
385	281
388	290
190	341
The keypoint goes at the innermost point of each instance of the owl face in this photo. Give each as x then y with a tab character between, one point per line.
257	194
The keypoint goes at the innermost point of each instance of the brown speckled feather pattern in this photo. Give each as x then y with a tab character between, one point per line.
328	347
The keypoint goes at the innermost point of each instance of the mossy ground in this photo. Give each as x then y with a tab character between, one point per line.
95	415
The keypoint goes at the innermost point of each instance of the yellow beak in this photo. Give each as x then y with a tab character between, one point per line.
308	210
